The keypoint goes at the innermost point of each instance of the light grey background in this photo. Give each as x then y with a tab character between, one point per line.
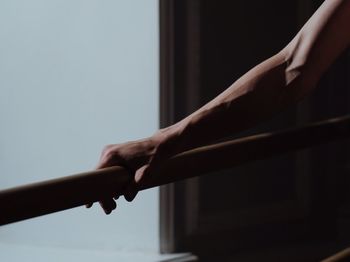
76	75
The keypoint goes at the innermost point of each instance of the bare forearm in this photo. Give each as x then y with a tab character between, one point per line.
272	85
258	94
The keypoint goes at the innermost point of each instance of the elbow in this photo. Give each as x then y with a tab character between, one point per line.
301	68
299	75
295	65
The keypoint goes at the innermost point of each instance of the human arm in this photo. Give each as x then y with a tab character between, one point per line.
274	84
262	92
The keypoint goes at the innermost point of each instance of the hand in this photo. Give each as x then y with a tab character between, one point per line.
140	157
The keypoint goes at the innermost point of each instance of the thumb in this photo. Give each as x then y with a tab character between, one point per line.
141	173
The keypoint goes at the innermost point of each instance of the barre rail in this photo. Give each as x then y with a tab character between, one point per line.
59	194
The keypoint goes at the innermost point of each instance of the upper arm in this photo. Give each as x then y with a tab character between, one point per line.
319	42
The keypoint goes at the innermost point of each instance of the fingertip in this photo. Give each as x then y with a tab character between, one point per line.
130	196
110	209
108	204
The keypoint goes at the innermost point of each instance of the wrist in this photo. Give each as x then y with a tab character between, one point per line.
171	140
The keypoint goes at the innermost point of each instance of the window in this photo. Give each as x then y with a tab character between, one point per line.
74	76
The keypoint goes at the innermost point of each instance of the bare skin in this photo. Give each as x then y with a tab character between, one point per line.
265	90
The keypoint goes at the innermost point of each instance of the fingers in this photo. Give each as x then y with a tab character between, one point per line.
131	191
130	195
108	205
107	159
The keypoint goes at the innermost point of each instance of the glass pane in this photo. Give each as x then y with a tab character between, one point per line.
76	75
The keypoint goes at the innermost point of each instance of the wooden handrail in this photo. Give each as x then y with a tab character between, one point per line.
54	195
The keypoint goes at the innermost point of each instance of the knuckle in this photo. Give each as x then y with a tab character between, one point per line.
108	152
106	149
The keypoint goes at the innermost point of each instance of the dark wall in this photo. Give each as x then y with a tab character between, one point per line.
288	199
236	35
